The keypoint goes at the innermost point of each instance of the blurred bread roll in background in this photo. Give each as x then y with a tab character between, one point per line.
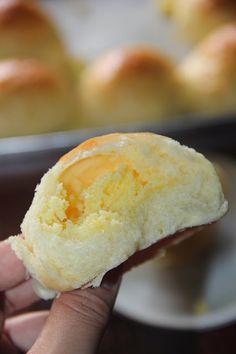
75	67
196	18
27	32
129	85
33	99
209	73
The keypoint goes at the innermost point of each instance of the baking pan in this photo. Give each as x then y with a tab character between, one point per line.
35	154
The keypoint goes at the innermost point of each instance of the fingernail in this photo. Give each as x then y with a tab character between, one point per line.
112	278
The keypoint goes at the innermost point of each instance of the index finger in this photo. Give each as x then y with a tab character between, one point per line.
12	270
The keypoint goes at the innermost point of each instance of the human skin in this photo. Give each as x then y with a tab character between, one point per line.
75	323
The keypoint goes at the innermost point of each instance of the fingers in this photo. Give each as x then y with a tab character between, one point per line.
77	320
23	330
12	271
19	297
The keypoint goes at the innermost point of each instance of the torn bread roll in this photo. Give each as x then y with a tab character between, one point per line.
107	199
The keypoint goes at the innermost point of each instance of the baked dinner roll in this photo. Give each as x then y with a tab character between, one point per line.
129	85
209	73
33	99
107	199
196	18
26	32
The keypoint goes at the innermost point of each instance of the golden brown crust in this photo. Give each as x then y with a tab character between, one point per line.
20	74
123	62
21	13
88	145
197	18
219	49
129	84
27	32
200	6
209	72
221	43
216	5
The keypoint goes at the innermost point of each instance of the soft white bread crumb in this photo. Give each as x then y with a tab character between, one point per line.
107	199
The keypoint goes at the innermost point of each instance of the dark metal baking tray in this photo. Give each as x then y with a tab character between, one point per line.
21	155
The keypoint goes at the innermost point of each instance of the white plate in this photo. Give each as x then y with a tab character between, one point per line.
167	297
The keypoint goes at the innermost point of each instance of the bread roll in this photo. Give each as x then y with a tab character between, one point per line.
196	18
33	99
193	248
209	73
129	85
26	32
109	198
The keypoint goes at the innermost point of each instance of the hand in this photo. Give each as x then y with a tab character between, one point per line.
74	324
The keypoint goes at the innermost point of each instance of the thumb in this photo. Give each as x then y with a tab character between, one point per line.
78	318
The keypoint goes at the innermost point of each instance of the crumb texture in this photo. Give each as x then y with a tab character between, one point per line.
107	199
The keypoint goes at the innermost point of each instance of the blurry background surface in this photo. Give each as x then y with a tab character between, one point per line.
93	26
